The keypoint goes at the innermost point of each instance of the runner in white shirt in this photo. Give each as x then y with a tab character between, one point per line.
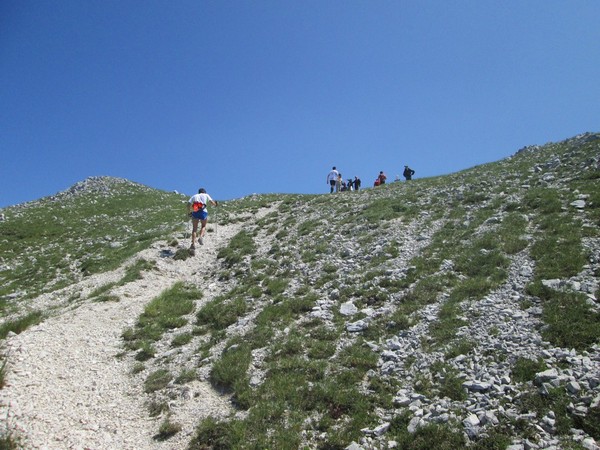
197	210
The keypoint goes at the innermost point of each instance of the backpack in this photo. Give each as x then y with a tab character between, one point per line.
197	206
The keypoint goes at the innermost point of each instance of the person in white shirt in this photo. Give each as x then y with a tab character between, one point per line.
332	180
197	210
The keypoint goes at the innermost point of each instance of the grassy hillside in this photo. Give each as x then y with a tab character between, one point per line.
325	383
414	314
93	227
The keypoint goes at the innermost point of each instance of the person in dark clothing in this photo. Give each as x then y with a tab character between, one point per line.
356	183
408	173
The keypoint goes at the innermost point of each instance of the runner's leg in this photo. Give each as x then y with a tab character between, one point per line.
194	231
202	230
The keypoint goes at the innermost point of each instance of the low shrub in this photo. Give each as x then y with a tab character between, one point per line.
167	430
157	380
181	339
524	369
220	313
186	376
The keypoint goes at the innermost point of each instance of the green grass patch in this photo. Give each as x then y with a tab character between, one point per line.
276	286
19	325
571	322
460	347
135	271
182	254
101	290
9	440
214	434
590	423
186	376
441	437
555	400
495	438
167	429
3	363
107	298
242	244
307	227
557	249
163	313
157	380
181	339
543	200
358	357
157	407
229	372
386	209
525	369
221	313
511	233
145	351
448	383
444	330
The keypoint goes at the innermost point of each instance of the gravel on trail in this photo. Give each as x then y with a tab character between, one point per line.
67	387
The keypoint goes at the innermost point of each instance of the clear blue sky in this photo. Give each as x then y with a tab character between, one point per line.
266	95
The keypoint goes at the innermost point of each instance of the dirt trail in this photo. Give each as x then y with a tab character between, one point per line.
66	387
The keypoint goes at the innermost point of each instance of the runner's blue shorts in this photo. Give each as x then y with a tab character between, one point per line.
200	215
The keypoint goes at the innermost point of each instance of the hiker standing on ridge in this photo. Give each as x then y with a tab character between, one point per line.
197	210
356	183
332	179
338	183
408	173
382	178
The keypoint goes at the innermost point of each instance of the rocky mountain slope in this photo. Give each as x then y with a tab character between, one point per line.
456	311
